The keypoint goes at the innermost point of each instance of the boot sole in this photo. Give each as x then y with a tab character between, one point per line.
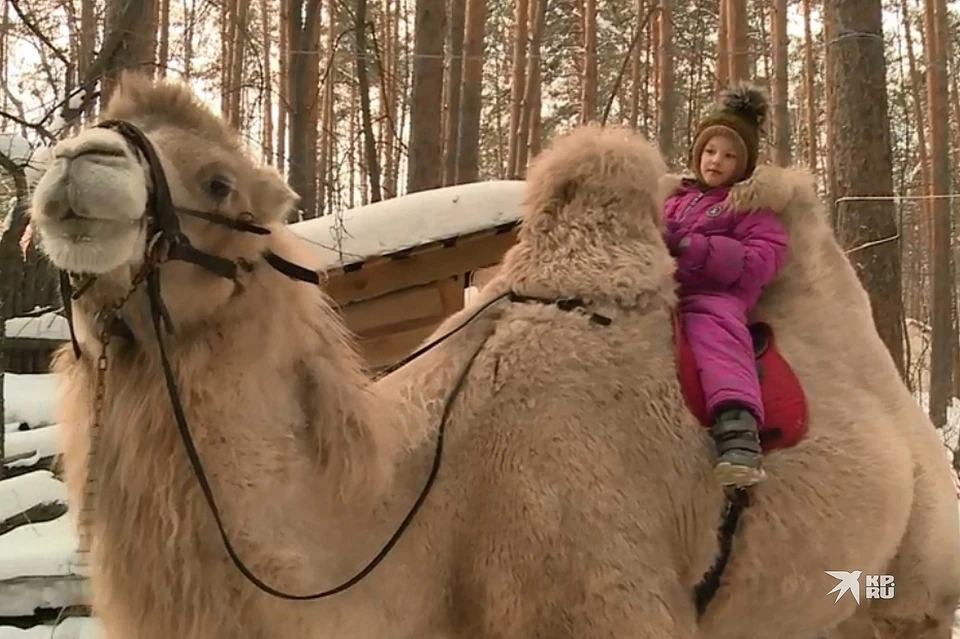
735	475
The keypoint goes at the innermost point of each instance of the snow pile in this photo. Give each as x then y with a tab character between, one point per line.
28	447
20	494
48	549
50	326
72	628
29	398
39	564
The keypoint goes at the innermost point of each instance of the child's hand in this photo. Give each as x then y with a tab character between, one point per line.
673	237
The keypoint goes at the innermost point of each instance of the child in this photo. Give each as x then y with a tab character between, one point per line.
724	259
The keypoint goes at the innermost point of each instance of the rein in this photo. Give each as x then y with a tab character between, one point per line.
167	242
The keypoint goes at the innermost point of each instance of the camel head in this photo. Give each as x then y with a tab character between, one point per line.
592	219
94	206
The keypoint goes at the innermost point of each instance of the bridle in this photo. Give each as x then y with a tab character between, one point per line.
167	242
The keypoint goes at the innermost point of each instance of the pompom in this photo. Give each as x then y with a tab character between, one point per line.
746	100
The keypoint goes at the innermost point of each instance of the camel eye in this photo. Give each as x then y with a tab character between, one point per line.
219	187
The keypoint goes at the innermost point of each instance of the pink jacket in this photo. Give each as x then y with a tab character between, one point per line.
731	254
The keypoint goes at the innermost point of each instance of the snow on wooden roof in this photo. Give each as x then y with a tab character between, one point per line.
405	222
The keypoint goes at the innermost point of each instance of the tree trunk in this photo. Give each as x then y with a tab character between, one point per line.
363	86
738	40
810	89
454	87
424	165
266	138
667	94
303	36
941	351
283	84
723	46
133	25
781	110
829	9
864	163
517	85
468	147
530	100
588	97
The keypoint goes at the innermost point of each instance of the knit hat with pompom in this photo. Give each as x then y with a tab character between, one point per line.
739	114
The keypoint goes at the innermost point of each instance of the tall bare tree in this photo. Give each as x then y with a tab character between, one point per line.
588	97
518	81
864	163
471	93
941	351
424	165
303	36
781	107
668	101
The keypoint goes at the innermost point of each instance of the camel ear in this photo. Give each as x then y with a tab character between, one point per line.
273	199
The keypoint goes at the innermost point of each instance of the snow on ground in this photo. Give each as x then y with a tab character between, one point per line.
72	628
20	494
39	564
48	549
28	447
28	398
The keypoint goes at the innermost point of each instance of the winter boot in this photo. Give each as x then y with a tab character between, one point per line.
739	454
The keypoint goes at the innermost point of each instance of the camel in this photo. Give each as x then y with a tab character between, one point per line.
572	495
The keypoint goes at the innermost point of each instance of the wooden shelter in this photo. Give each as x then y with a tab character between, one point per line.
31	341
399	267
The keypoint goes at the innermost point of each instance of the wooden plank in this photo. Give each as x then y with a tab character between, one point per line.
451	294
415	303
383	276
482	276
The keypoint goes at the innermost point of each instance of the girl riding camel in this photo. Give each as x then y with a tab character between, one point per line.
725	257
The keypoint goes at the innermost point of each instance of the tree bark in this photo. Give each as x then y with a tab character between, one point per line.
471	93
363	86
424	165
667	94
517	85
941	348
781	111
454	88
588	97
864	163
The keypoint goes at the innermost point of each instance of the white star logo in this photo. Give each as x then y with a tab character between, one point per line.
849	582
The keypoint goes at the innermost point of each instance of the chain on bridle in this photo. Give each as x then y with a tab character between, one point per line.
167	242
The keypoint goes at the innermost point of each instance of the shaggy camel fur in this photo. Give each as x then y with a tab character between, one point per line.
575	497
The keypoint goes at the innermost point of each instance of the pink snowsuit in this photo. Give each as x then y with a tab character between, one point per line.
730	258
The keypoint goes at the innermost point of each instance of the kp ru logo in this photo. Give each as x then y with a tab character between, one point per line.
877	586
